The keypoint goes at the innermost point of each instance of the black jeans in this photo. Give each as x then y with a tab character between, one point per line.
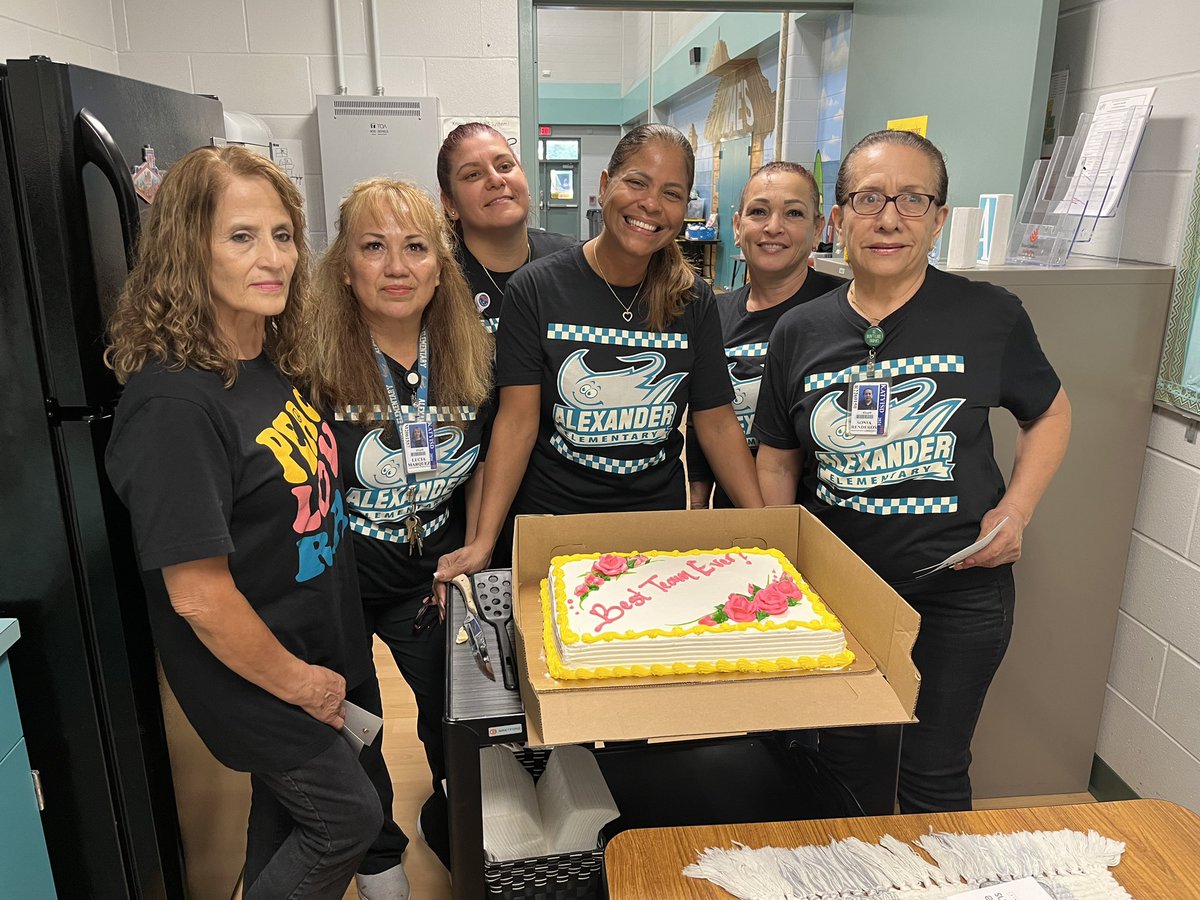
309	826
421	659
964	634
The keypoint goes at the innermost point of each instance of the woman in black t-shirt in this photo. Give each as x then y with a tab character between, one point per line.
776	226
486	197
231	479
390	298
603	348
913	480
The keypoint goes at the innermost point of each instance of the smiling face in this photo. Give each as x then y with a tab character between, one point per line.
392	269
488	188
778	224
889	245
645	201
253	256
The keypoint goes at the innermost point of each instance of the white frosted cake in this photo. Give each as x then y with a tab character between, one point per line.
610	615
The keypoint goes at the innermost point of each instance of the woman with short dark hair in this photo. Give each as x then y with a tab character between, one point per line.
913	480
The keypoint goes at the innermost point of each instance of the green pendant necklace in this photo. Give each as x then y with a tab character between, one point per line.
872	337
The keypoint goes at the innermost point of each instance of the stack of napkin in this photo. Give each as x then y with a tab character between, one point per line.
563	813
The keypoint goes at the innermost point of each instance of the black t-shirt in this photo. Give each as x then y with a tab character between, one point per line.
251	473
912	497
377	492
489	290
612	392
746	334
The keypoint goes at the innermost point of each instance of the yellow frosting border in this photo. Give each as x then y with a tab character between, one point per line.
552	611
825	621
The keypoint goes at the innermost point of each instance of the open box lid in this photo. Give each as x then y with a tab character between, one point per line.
875	616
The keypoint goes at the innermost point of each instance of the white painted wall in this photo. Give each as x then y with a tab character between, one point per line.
635	62
1150	733
580	45
272	57
801	91
73	31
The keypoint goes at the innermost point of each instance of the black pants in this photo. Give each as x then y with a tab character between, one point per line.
421	659
964	633
309	827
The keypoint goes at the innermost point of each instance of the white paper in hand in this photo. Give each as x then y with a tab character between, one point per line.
362	725
963	553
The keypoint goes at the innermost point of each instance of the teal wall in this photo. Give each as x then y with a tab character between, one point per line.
575	103
978	68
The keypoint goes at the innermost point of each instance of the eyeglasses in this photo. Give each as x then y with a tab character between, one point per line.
871	203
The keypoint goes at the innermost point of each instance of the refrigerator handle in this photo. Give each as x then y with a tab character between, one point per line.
100	149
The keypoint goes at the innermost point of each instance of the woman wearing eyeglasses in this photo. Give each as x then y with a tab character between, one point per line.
909	482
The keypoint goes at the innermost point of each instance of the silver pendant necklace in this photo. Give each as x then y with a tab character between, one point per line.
488	272
626	311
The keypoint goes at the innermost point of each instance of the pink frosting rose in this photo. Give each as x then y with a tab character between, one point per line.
581	590
708	620
771	601
594	580
639	560
787	587
610	564
739	608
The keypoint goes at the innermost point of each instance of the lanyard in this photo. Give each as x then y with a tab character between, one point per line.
389	384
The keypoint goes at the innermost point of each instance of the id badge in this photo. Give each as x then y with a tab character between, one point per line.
420	451
869	407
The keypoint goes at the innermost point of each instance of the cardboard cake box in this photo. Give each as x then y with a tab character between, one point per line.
880	688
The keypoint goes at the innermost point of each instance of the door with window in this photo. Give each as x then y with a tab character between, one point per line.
558	185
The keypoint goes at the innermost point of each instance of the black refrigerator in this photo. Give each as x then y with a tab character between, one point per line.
84	669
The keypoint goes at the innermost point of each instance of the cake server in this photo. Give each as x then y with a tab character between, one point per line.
472	626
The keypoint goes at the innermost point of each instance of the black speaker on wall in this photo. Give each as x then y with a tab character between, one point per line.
694	56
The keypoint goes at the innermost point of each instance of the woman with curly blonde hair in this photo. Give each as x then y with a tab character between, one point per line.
231	479
397	353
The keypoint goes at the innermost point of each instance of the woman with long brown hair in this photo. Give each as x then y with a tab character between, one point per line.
602	350
397	354
231	479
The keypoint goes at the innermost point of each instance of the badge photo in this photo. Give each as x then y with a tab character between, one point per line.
869	407
482	301
420	450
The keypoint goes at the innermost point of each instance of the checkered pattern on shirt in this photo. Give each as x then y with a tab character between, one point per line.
355	413
620	337
747	351
884	506
396	535
605	463
888	368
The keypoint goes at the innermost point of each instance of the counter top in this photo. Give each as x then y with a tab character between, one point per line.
1079	270
9	632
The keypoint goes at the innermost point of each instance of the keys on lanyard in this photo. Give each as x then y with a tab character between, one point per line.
418	439
412	526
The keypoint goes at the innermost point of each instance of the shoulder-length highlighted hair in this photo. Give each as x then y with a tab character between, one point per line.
339	366
166	310
670	281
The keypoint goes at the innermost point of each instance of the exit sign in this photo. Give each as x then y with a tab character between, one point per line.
544	131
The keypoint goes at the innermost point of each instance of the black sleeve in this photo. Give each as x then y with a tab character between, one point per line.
171	469
519	340
1028	383
773	424
710	385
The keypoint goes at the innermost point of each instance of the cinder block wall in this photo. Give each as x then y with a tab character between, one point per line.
1150	733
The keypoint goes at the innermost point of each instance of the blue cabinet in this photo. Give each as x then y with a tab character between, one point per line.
24	864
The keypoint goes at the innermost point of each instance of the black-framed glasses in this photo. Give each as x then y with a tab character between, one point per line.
909	205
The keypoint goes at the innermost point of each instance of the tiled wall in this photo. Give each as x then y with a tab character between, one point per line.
1150	733
74	31
271	58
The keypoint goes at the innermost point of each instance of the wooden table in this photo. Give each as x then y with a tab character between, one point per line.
1161	860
